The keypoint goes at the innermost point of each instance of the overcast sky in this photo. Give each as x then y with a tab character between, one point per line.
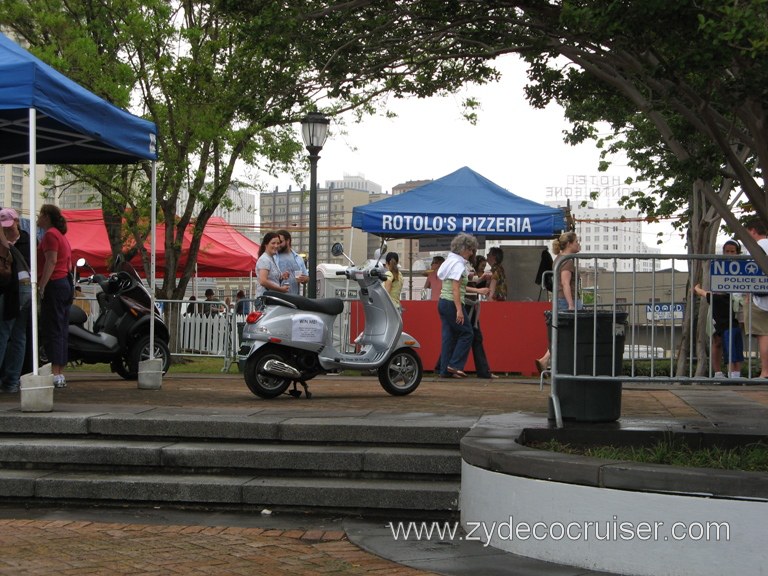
512	144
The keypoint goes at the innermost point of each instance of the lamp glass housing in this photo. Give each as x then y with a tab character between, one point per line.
314	129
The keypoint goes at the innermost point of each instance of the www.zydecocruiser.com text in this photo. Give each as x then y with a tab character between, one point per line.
611	530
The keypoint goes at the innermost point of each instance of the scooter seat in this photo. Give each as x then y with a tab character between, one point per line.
332	306
77	315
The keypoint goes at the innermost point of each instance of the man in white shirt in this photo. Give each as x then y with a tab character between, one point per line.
759	325
289	261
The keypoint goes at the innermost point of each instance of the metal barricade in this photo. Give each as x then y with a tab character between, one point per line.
658	335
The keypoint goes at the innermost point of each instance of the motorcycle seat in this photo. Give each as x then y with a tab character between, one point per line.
77	315
332	306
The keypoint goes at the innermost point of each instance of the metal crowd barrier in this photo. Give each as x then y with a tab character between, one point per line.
665	340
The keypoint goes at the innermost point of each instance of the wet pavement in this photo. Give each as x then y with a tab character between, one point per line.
166	541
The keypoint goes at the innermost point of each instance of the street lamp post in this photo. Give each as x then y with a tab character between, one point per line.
314	130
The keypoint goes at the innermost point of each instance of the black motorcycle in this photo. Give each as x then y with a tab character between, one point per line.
120	335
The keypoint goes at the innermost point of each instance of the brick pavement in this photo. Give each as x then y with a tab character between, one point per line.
63	547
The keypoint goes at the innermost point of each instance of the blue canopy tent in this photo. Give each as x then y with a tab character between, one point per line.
463	201
46	117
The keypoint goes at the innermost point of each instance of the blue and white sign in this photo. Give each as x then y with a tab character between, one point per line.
463	201
656	312
737	276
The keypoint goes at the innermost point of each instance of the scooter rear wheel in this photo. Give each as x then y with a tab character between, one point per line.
401	373
258	381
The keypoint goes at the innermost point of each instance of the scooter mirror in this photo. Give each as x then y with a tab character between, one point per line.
337	249
80	262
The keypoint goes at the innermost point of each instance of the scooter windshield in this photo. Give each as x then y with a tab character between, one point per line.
126	267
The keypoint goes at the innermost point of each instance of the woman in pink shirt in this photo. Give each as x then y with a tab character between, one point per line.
54	263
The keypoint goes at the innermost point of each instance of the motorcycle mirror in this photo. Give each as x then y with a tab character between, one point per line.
337	249
81	262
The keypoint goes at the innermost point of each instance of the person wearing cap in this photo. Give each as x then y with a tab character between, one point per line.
16	349
9	294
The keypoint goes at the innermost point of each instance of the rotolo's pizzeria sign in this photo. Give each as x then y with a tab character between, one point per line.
455	224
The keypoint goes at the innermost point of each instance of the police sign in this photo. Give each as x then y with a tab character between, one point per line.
657	312
737	276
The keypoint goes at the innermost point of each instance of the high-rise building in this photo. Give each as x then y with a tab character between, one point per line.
14	188
612	231
289	209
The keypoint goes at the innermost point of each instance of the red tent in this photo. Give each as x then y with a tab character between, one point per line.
223	252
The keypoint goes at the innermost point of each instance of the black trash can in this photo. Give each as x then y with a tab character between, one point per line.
595	335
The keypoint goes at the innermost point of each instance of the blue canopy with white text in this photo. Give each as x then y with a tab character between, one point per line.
463	201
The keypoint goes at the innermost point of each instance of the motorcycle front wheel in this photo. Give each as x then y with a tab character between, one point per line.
122	367
260	382
401	373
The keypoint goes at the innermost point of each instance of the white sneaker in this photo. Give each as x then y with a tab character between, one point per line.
719	375
59	381
735	375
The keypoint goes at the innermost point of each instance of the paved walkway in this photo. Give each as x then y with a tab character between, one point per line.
97	541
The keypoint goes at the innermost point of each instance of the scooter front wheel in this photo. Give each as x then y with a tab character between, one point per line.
260	382
401	373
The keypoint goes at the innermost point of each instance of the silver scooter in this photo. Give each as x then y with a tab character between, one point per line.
288	339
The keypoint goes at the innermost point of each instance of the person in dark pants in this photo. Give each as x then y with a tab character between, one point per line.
15	352
456	329
54	262
9	292
472	311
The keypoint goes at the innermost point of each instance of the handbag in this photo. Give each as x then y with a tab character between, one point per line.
6	266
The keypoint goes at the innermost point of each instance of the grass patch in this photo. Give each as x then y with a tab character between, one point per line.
179	365
749	458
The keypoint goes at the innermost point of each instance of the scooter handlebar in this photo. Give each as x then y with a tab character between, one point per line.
372	272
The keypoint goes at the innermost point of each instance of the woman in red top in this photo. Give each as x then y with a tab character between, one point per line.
54	263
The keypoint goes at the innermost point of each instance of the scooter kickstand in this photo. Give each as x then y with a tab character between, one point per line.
307	393
295	392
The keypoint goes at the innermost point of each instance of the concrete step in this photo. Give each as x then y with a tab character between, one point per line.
216	456
419	429
392	463
229	490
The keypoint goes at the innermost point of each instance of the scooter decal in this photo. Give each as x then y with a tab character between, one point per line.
307	328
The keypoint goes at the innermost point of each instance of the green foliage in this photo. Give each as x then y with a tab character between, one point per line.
750	457
681	84
659	367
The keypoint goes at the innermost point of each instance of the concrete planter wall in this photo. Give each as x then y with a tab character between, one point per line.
621	517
